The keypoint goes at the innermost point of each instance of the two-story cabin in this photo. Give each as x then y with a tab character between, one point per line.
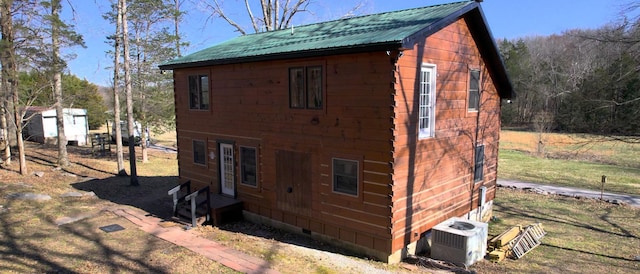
366	131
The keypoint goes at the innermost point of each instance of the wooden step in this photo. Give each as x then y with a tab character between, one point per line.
225	209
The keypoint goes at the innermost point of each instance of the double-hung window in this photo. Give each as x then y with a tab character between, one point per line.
199	92
474	90
427	107
305	87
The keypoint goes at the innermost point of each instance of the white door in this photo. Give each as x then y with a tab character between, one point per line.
227	176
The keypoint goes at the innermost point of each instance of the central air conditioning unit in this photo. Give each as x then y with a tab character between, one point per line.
459	241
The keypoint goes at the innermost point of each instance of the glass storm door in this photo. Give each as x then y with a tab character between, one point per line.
227	182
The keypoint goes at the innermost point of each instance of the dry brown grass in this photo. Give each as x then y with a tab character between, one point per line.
31	242
581	147
571	160
584	236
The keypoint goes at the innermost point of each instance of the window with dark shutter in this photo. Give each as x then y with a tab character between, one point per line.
305	88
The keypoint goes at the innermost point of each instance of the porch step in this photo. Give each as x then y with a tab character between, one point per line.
225	209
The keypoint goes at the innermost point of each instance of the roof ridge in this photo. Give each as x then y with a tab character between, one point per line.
382	30
356	17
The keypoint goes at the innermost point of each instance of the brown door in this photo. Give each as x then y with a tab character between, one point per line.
293	175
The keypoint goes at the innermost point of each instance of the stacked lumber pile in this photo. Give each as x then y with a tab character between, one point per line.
515	242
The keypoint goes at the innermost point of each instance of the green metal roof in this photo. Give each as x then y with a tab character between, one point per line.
382	29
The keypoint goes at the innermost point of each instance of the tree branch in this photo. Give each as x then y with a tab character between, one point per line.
253	19
217	9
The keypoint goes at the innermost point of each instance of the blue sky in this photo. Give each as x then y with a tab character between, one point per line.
506	18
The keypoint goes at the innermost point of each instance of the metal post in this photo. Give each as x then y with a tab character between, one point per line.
604	180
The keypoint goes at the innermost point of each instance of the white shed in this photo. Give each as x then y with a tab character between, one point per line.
40	125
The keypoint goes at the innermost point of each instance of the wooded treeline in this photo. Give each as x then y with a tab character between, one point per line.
35	45
582	81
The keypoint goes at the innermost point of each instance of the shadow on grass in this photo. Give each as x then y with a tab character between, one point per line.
32	242
541	216
612	230
588	252
150	196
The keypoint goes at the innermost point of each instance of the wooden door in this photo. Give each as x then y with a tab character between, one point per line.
293	176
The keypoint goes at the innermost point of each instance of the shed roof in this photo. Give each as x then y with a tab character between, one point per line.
382	31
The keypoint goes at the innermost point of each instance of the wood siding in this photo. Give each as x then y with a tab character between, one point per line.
406	185
250	107
433	177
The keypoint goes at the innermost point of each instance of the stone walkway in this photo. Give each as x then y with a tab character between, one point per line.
229	257
614	198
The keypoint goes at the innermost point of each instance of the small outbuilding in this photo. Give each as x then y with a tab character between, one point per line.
365	131
40	125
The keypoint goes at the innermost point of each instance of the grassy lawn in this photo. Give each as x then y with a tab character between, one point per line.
571	160
583	236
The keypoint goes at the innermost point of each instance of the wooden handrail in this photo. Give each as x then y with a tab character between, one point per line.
193	198
175	191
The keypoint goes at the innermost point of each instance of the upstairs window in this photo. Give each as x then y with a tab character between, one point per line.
305	87
427	108
478	169
474	90
199	92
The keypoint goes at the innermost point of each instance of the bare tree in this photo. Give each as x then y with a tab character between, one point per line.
10	74
276	14
129	93
116	90
63	157
8	62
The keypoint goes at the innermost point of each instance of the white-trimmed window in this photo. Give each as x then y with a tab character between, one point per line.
248	166
474	90
199	152
427	107
346	176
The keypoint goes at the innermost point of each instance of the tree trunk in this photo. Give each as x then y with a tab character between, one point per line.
129	94
10	74
63	158
176	26
18	120
116	96
141	84
5	157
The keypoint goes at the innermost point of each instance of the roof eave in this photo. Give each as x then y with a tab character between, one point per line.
481	34
392	45
489	49
408	42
